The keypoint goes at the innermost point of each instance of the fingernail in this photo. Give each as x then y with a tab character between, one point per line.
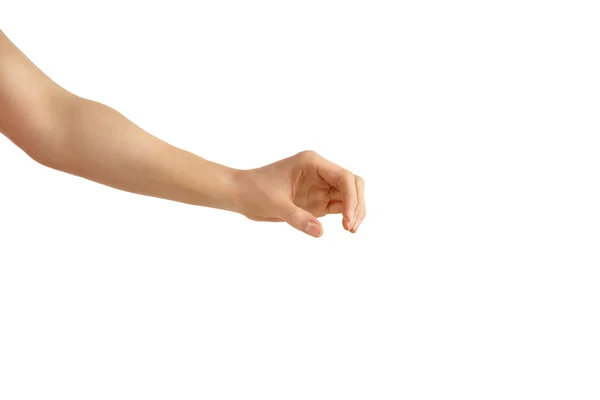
312	229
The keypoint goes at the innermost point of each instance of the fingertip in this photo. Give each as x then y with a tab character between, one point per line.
350	217
314	229
345	224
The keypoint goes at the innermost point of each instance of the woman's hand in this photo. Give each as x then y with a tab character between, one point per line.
91	140
300	189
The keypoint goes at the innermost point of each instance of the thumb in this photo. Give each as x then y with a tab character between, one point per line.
302	220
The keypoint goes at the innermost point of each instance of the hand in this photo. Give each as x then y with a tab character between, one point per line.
300	189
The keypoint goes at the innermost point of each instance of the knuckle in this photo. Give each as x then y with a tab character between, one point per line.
348	177
289	214
346	182
308	154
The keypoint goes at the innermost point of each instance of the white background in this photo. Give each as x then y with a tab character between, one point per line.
475	276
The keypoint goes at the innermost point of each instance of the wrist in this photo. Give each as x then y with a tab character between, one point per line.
233	182
205	183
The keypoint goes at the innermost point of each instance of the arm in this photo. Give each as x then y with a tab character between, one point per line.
88	139
81	137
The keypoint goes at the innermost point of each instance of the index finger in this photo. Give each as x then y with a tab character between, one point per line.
343	180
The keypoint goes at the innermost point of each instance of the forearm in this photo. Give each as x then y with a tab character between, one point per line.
98	143
86	138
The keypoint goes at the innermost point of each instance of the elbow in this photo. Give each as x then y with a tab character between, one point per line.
45	137
43	144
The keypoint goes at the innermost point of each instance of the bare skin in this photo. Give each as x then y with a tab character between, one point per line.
81	137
